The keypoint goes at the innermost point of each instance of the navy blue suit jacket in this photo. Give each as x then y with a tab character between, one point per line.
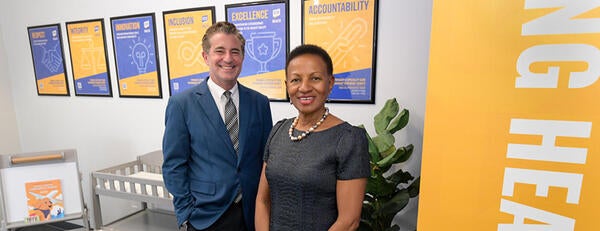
201	168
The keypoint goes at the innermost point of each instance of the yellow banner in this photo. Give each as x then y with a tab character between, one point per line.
511	102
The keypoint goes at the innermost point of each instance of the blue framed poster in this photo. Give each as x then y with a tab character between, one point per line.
136	55
48	60
184	30
265	27
348	32
89	62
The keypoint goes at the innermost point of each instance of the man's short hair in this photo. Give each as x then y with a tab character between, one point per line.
222	27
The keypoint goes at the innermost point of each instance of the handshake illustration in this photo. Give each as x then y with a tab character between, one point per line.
52	59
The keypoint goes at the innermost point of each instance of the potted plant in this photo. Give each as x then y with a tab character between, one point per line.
386	193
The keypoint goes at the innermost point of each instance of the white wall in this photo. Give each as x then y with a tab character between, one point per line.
9	134
109	131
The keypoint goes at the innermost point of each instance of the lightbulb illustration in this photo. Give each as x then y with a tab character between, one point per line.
140	56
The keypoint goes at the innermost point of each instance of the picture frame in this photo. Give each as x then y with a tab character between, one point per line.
348	32
48	57
265	26
89	58
183	31
136	55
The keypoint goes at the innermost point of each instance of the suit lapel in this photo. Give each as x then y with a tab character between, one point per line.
209	107
245	116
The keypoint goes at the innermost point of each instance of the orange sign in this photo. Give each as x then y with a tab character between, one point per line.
511	133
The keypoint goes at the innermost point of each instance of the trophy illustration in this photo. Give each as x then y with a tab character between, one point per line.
263	47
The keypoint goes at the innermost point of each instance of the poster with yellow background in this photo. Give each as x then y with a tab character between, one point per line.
511	128
346	30
89	62
184	30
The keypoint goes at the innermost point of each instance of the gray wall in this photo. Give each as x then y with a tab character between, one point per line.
9	134
109	131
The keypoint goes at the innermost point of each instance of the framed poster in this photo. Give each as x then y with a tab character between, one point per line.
348	32
89	62
265	27
136	56
48	60
184	30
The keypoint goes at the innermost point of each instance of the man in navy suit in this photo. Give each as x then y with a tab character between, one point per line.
213	177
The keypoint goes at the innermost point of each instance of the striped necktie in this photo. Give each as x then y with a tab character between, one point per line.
231	120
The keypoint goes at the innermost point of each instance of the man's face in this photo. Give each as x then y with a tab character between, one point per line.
224	59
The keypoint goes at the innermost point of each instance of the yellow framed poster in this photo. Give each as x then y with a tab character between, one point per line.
511	130
89	62
184	30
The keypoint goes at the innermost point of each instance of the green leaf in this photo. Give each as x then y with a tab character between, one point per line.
398	122
389	151
385	221
366	210
397	203
414	187
386	162
400	177
373	151
387	113
378	186
406	153
384	169
401	155
384	142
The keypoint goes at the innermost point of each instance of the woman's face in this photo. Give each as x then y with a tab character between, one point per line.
308	83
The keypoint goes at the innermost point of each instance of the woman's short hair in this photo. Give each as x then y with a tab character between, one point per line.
314	50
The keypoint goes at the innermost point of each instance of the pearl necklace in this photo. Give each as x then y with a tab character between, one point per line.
304	134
